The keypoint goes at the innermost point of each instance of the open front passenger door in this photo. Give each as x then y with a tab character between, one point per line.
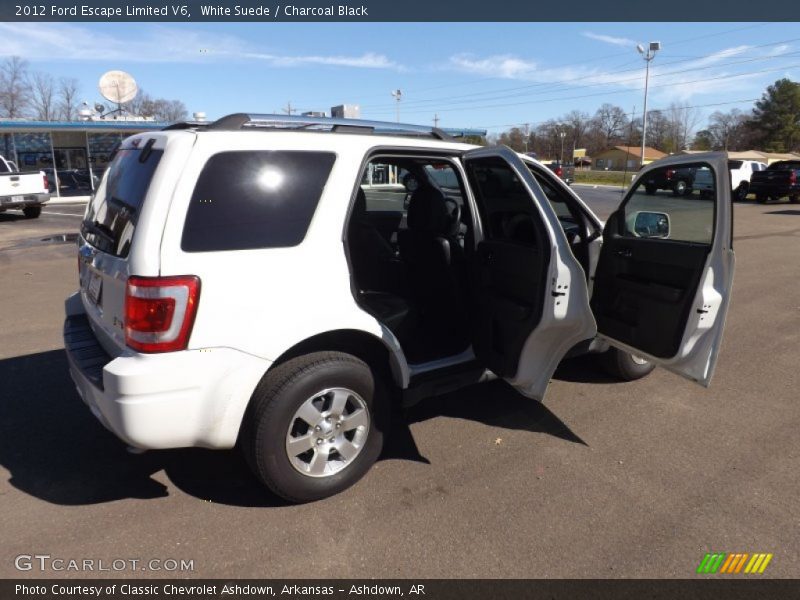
531	301
664	276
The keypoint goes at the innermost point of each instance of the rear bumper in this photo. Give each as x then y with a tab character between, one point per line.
26	200
157	401
770	189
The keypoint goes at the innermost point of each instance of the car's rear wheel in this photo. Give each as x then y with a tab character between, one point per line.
741	191
32	212
315	425
681	188
624	365
761	198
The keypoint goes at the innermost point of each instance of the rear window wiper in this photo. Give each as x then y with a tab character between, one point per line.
98	228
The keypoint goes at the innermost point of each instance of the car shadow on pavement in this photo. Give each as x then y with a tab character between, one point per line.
56	451
7	217
783	212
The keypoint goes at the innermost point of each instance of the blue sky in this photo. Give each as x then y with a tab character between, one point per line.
490	75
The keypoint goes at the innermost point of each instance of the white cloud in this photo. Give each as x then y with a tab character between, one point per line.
609	39
504	66
158	44
710	74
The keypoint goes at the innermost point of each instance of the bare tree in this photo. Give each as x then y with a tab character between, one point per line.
577	123
14	87
160	109
728	130
683	120
610	121
43	96
68	98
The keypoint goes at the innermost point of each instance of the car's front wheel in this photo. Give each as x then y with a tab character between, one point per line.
625	366
315	426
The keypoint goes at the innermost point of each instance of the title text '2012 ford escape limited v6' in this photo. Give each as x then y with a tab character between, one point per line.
275	282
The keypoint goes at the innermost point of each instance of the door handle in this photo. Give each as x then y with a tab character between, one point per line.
624	253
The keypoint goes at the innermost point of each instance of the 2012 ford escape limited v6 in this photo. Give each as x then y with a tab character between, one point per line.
275	282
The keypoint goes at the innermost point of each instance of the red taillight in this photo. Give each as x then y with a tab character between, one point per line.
160	311
670	173
559	171
793	177
46	185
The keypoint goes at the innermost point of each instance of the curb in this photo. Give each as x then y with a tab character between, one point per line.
69	200
600	185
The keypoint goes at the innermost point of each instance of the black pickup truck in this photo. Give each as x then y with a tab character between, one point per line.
780	179
680	181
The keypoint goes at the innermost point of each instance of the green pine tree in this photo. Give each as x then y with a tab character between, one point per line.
776	117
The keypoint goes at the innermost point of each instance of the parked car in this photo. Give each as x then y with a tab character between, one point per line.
71	180
779	180
24	191
564	171
680	181
238	285
741	172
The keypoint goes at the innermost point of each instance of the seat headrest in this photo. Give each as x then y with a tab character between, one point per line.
427	211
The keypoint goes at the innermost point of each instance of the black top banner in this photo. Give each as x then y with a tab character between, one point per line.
396	11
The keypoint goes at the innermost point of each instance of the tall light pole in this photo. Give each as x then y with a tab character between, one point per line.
648	55
398	95
562	134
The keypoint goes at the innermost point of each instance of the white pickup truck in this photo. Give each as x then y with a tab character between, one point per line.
25	191
740	171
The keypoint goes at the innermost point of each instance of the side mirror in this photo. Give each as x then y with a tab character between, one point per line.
651	225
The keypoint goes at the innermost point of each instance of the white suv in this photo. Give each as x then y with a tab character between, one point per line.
276	282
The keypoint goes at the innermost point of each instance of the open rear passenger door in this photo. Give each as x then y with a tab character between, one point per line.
665	271
531	301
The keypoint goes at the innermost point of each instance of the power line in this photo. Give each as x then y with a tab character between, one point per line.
565	84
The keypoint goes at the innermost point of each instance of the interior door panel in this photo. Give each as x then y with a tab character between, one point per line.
665	271
644	289
509	295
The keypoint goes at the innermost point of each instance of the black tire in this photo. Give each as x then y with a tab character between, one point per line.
761	198
32	212
681	188
623	366
650	189
281	392
741	191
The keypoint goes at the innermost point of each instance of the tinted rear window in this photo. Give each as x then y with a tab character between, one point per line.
784	166
246	200
111	219
734	164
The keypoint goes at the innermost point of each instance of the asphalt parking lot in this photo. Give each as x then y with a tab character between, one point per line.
603	479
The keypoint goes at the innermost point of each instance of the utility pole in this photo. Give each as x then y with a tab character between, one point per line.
435	120
289	110
398	95
652	48
527	135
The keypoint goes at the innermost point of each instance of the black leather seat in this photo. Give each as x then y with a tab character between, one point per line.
435	263
375	269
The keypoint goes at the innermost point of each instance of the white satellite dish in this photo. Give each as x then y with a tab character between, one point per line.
118	87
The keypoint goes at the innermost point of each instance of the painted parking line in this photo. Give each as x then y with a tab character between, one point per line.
47	212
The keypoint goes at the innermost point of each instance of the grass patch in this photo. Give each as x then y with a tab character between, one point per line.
604	177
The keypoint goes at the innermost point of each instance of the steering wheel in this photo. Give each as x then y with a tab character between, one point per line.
453	212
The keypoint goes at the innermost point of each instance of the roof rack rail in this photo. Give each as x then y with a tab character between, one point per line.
333	124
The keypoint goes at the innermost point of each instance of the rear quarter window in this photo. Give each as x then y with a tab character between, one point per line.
255	199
